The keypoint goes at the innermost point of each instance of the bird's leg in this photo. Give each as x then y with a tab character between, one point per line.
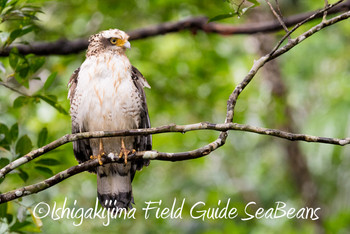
100	153
125	152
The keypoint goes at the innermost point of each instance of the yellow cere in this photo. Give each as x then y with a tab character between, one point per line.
117	41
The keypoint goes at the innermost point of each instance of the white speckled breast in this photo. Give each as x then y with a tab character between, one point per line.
108	99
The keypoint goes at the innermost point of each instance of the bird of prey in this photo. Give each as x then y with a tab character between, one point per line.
106	93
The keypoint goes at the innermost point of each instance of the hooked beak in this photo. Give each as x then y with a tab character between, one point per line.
127	45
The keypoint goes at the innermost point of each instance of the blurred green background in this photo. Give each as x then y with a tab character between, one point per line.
191	76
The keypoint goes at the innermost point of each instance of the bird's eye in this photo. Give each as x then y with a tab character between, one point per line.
113	40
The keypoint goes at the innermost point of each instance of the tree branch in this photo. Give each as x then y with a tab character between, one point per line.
63	46
153	155
277	15
171	128
274	54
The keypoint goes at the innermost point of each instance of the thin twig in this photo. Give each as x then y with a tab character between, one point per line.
278	8
6	85
272	55
240	5
278	16
325	12
308	33
317	14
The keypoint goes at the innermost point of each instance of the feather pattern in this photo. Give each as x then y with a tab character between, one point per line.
106	93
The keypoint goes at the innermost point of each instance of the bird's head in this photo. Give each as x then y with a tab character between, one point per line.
112	40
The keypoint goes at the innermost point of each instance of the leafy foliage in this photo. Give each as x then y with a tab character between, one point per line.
19	17
191	78
24	66
238	9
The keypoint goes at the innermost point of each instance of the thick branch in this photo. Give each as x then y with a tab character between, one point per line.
35	188
170	128
173	128
155	155
63	47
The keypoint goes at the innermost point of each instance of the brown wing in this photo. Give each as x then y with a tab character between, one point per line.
142	143
81	148
72	84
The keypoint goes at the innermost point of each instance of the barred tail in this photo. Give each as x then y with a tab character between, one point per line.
114	186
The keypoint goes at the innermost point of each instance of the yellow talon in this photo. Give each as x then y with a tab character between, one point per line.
125	152
100	155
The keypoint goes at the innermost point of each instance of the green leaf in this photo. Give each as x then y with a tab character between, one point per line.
4	162
13	58
3	129
19	32
14	132
255	2
13	35
42	139
30	229
9	9
36	63
48	162
3	210
24	145
23	175
44	170
25	83
52	101
20	101
13	3
2	5
50	80
221	17
18	78
244	10
52	97
4	134
23	69
19	225
9	218
26	29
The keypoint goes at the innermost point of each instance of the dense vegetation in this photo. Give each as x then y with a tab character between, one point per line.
191	74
